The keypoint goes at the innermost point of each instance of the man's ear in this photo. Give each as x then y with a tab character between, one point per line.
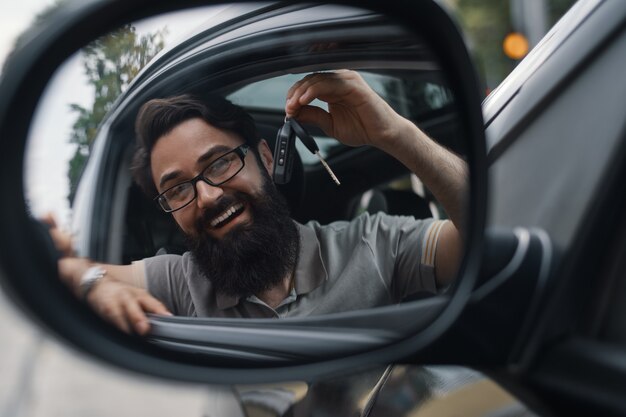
267	156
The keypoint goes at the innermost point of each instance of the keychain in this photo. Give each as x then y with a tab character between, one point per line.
286	147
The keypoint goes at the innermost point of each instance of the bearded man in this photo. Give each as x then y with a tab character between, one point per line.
205	164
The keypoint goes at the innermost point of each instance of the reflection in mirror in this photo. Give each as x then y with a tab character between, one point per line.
179	200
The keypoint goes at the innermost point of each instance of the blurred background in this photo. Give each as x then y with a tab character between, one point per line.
41	377
500	33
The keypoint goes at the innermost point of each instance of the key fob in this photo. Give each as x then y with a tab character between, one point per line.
284	154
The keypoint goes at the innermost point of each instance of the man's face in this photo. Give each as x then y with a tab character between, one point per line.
184	152
240	232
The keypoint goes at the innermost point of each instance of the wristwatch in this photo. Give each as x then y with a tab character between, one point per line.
90	278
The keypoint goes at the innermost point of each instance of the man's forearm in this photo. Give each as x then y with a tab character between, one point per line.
441	171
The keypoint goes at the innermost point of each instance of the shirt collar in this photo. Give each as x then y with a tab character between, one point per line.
310	271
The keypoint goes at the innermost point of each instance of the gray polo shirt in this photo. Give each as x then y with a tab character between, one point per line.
373	260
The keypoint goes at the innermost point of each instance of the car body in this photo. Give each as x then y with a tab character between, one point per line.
545	319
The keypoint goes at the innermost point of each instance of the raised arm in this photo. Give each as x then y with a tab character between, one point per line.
358	116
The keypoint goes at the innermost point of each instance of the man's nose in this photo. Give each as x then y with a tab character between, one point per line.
207	194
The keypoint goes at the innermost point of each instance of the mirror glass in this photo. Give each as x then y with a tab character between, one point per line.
377	239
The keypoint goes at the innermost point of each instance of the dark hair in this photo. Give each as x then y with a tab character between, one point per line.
158	117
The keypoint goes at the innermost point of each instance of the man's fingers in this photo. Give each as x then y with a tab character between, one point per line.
116	314
318	117
136	303
297	84
305	91
62	240
136	316
152	305
301	93
125	306
327	87
48	219
341	87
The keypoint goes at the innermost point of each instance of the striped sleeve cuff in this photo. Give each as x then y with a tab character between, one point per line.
429	245
138	274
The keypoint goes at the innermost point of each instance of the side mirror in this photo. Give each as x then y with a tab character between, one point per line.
235	350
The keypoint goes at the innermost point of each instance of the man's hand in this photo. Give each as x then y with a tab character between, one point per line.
112	297
356	114
124	305
121	303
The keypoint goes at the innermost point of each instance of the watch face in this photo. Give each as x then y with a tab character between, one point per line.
89	278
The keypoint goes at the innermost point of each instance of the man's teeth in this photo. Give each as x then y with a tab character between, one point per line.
226	214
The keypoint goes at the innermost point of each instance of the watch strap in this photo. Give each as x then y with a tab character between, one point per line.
89	279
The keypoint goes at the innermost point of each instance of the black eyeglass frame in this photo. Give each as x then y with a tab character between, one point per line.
241	151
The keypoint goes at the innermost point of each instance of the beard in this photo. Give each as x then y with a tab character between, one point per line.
250	258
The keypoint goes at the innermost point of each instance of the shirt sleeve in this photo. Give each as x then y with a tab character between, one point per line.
417	252
138	274
165	280
405	248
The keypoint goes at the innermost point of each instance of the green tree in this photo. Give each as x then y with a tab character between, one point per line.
110	62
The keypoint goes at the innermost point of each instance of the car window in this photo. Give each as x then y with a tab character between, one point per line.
427	94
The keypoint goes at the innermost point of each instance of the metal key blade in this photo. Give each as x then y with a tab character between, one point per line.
330	171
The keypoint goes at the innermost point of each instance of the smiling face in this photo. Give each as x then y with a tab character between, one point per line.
189	148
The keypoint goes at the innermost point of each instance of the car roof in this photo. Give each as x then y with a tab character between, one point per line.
242	20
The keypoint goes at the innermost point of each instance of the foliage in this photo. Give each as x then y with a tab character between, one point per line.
110	62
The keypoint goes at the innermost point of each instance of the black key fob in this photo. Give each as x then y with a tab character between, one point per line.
284	151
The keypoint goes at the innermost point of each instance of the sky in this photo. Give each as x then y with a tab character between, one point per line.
48	148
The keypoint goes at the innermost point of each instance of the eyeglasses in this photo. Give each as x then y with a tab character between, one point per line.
216	173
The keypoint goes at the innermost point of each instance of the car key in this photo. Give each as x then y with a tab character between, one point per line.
310	144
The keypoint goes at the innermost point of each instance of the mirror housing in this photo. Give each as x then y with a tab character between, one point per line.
28	260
